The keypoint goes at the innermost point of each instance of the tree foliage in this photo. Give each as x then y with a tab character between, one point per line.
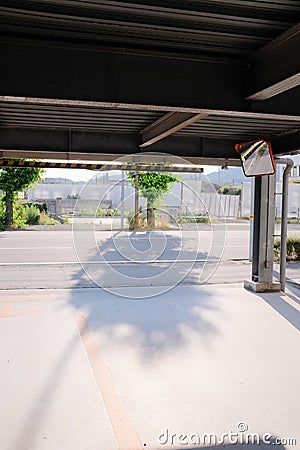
14	180
151	186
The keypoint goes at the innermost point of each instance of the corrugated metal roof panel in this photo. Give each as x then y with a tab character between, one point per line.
51	116
217	27
23	115
238	127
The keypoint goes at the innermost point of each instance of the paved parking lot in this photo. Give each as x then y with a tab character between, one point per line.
85	369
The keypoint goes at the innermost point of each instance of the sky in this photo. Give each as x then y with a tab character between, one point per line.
85	175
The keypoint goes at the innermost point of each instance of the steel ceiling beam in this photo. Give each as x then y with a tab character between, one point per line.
73	74
106	78
288	142
39	142
63	141
167	125
275	68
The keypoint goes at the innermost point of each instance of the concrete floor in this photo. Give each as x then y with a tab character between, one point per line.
83	369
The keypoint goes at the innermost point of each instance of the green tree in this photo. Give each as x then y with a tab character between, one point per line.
225	189
151	186
230	190
14	180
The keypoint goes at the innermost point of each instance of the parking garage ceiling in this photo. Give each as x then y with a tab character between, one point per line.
85	79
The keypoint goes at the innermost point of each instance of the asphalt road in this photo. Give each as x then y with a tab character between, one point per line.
48	259
58	246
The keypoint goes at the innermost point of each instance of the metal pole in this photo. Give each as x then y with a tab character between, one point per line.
284	215
136	201
251	220
263	231
122	200
181	198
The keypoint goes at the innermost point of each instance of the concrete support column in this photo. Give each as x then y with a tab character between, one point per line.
263	236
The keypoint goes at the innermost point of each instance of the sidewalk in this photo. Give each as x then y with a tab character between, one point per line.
84	369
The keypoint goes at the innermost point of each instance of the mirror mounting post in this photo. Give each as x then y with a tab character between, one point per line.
263	236
284	215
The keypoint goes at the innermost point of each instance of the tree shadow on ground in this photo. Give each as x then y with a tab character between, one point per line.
135	302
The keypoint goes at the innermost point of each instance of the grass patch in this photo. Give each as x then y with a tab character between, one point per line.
192	219
47	220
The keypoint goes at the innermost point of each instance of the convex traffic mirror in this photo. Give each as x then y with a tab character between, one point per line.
256	158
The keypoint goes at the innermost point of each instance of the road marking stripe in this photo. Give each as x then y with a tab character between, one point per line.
122	426
114	262
32	248
27	297
7	311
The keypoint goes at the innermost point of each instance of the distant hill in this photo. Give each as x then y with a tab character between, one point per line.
233	176
57	180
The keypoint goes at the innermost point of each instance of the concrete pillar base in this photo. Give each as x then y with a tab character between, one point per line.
256	286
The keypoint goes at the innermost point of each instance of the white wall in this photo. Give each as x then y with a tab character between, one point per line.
294	199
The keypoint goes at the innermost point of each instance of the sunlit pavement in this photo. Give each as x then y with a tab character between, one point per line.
84	369
47	259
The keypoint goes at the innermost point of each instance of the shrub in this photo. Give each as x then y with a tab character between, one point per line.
23	215
277	249
130	217
162	221
40	206
192	219
2	215
292	249
201	220
297	248
99	211
47	220
73	197
31	215
225	189
20	215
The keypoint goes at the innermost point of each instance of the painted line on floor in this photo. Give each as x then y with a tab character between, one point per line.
122	426
17	298
6	311
33	248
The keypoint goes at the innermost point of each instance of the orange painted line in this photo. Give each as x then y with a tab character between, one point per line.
122	426
27	298
6	311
